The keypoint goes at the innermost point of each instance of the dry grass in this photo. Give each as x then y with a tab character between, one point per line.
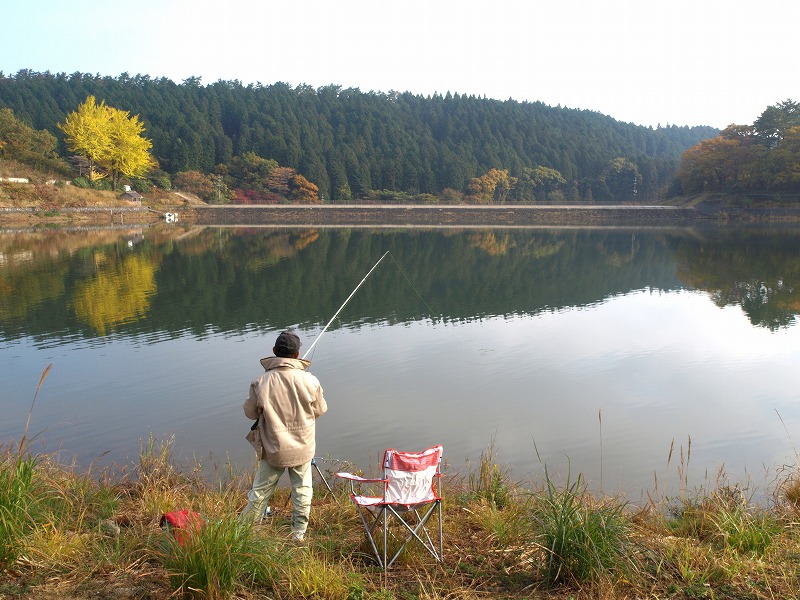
98	535
41	193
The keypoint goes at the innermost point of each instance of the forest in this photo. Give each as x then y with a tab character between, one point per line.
762	157
226	139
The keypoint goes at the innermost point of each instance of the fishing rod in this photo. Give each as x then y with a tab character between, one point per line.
353	293
267	512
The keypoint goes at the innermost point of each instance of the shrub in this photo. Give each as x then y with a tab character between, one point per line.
18	496
582	542
160	179
143	186
426	199
217	558
492	481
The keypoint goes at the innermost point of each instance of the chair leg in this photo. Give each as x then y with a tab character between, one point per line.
385	536
369	529
416	531
439	506
413	532
441	535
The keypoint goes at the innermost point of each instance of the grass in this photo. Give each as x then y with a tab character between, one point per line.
19	491
218	558
491	481
82	534
583	540
18	498
49	200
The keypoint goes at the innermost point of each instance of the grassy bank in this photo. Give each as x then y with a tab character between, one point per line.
54	201
65	533
75	533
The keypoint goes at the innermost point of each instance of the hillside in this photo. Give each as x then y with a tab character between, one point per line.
351	143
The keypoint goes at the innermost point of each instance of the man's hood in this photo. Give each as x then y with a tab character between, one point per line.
274	362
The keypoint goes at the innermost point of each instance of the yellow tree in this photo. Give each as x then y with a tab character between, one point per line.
87	134
129	153
109	138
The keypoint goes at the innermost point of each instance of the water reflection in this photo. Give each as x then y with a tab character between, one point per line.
597	345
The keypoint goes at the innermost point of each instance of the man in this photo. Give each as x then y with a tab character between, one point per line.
286	400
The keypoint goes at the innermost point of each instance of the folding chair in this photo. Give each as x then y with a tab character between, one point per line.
411	492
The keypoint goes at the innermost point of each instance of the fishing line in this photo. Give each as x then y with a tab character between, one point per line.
430	310
353	293
310	350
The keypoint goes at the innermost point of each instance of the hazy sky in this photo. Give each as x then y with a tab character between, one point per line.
683	62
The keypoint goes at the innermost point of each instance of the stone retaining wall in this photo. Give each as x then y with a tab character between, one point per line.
443	216
74	209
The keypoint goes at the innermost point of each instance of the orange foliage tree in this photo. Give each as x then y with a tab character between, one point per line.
302	191
196	183
761	157
785	161
492	187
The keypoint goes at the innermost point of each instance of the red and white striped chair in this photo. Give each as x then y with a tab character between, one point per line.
411	493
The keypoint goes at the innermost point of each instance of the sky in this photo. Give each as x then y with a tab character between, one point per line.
648	62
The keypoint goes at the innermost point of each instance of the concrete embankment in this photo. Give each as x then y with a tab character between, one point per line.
71	215
463	216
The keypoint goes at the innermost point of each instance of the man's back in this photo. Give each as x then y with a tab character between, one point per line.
289	399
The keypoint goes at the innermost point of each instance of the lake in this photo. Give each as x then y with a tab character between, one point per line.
643	359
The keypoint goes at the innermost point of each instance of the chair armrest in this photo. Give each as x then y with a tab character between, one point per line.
352	477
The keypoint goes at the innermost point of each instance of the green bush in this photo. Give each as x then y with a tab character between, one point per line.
160	179
143	186
216	558
492	482
18	497
582	541
426	199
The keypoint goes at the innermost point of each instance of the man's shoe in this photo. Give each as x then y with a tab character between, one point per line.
266	513
298	536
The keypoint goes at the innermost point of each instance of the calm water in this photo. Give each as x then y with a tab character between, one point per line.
592	351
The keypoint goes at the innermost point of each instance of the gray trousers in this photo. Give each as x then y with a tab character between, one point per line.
264	484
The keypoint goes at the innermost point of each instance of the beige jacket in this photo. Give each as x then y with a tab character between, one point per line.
286	400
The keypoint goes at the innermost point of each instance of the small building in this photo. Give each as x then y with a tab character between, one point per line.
132	196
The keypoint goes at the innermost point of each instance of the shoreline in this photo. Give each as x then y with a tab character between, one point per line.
365	215
84	537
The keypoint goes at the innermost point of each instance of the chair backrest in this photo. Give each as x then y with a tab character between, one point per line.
411	475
